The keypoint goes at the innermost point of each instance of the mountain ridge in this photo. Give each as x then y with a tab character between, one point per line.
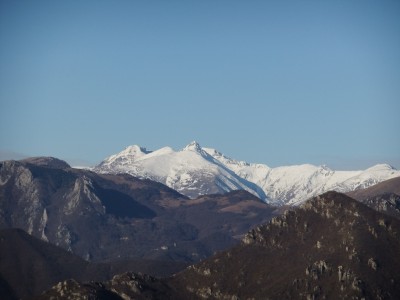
196	170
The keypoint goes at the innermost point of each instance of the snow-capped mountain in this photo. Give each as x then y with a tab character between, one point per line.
196	171
191	171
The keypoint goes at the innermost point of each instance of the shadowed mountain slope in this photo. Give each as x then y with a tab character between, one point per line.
29	265
332	247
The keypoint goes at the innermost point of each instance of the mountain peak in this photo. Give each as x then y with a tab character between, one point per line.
125	157
193	146
135	151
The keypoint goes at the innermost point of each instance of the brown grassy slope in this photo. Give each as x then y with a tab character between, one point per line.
387	186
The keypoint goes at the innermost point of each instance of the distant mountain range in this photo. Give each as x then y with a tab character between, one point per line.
195	171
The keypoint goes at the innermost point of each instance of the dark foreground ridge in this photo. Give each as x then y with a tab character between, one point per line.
332	247
28	266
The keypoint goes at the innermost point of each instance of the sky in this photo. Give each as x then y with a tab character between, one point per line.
273	82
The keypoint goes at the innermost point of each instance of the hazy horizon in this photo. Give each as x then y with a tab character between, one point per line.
337	164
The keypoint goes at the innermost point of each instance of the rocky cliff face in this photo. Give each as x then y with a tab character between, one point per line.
59	205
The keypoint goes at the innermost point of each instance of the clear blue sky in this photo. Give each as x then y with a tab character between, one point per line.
275	82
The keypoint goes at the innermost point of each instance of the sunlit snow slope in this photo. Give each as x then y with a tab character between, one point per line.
196	171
